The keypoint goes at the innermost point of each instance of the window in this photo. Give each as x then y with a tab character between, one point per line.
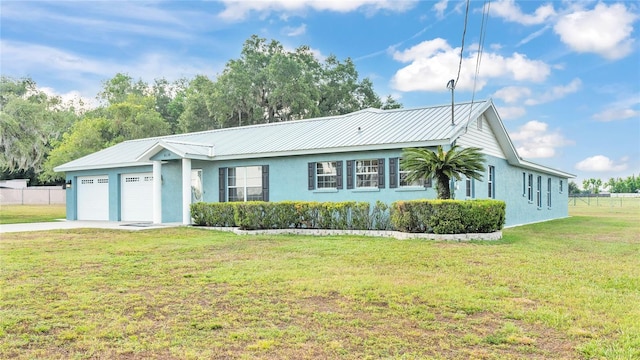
244	183
539	191
560	186
480	123
196	185
530	188
469	188
548	192
491	190
366	173
326	175
403	179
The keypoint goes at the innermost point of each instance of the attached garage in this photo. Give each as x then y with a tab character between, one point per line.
136	197
93	197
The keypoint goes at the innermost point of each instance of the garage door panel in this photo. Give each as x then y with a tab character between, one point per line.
137	197
93	197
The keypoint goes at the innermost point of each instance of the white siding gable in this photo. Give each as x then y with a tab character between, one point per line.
481	136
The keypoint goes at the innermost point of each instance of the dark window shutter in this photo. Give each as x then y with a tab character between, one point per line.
380	173
339	174
222	184
265	182
311	171
350	164
393	173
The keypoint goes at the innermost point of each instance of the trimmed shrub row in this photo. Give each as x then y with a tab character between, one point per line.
433	216
253	215
448	216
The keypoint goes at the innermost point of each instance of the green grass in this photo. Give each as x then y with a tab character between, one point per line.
15	214
562	289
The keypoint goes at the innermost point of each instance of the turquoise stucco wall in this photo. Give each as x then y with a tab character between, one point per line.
288	181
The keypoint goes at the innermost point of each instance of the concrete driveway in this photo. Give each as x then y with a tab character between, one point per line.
78	224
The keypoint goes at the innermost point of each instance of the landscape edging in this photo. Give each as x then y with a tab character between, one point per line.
497	235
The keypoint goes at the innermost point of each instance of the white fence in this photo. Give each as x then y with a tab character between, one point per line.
625	195
41	195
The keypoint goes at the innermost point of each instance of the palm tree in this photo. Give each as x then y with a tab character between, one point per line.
443	165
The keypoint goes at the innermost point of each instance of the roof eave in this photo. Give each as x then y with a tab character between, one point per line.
63	168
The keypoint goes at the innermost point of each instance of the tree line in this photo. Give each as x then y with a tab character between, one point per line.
630	184
266	84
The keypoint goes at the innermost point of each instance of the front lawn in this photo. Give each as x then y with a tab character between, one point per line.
562	289
15	214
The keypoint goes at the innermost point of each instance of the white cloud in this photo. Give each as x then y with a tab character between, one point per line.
511	94
605	30
508	10
534	140
295	31
238	10
434	62
556	93
81	71
511	112
440	7
620	110
600	163
616	114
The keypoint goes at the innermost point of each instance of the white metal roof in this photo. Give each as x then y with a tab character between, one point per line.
368	129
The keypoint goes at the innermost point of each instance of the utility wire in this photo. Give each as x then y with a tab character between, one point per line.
483	31
464	32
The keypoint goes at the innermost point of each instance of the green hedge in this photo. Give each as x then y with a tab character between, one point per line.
254	215
434	216
448	216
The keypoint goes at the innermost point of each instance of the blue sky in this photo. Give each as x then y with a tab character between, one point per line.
565	76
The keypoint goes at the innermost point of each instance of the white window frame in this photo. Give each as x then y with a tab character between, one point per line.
491	190
244	186
366	168
530	188
539	191
326	180
549	192
402	175
469	188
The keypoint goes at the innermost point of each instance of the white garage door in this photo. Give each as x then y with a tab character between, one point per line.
137	197
93	198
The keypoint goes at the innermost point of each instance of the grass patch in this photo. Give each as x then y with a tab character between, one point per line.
561	289
16	214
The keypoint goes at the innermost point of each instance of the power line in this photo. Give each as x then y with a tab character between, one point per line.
483	31
464	33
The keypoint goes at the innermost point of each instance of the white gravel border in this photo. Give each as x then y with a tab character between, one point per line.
376	233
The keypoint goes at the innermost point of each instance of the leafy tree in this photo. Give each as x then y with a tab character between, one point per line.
270	84
132	118
390	103
443	165
85	137
136	118
169	99
619	185
30	122
195	115
592	185
116	89
573	188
